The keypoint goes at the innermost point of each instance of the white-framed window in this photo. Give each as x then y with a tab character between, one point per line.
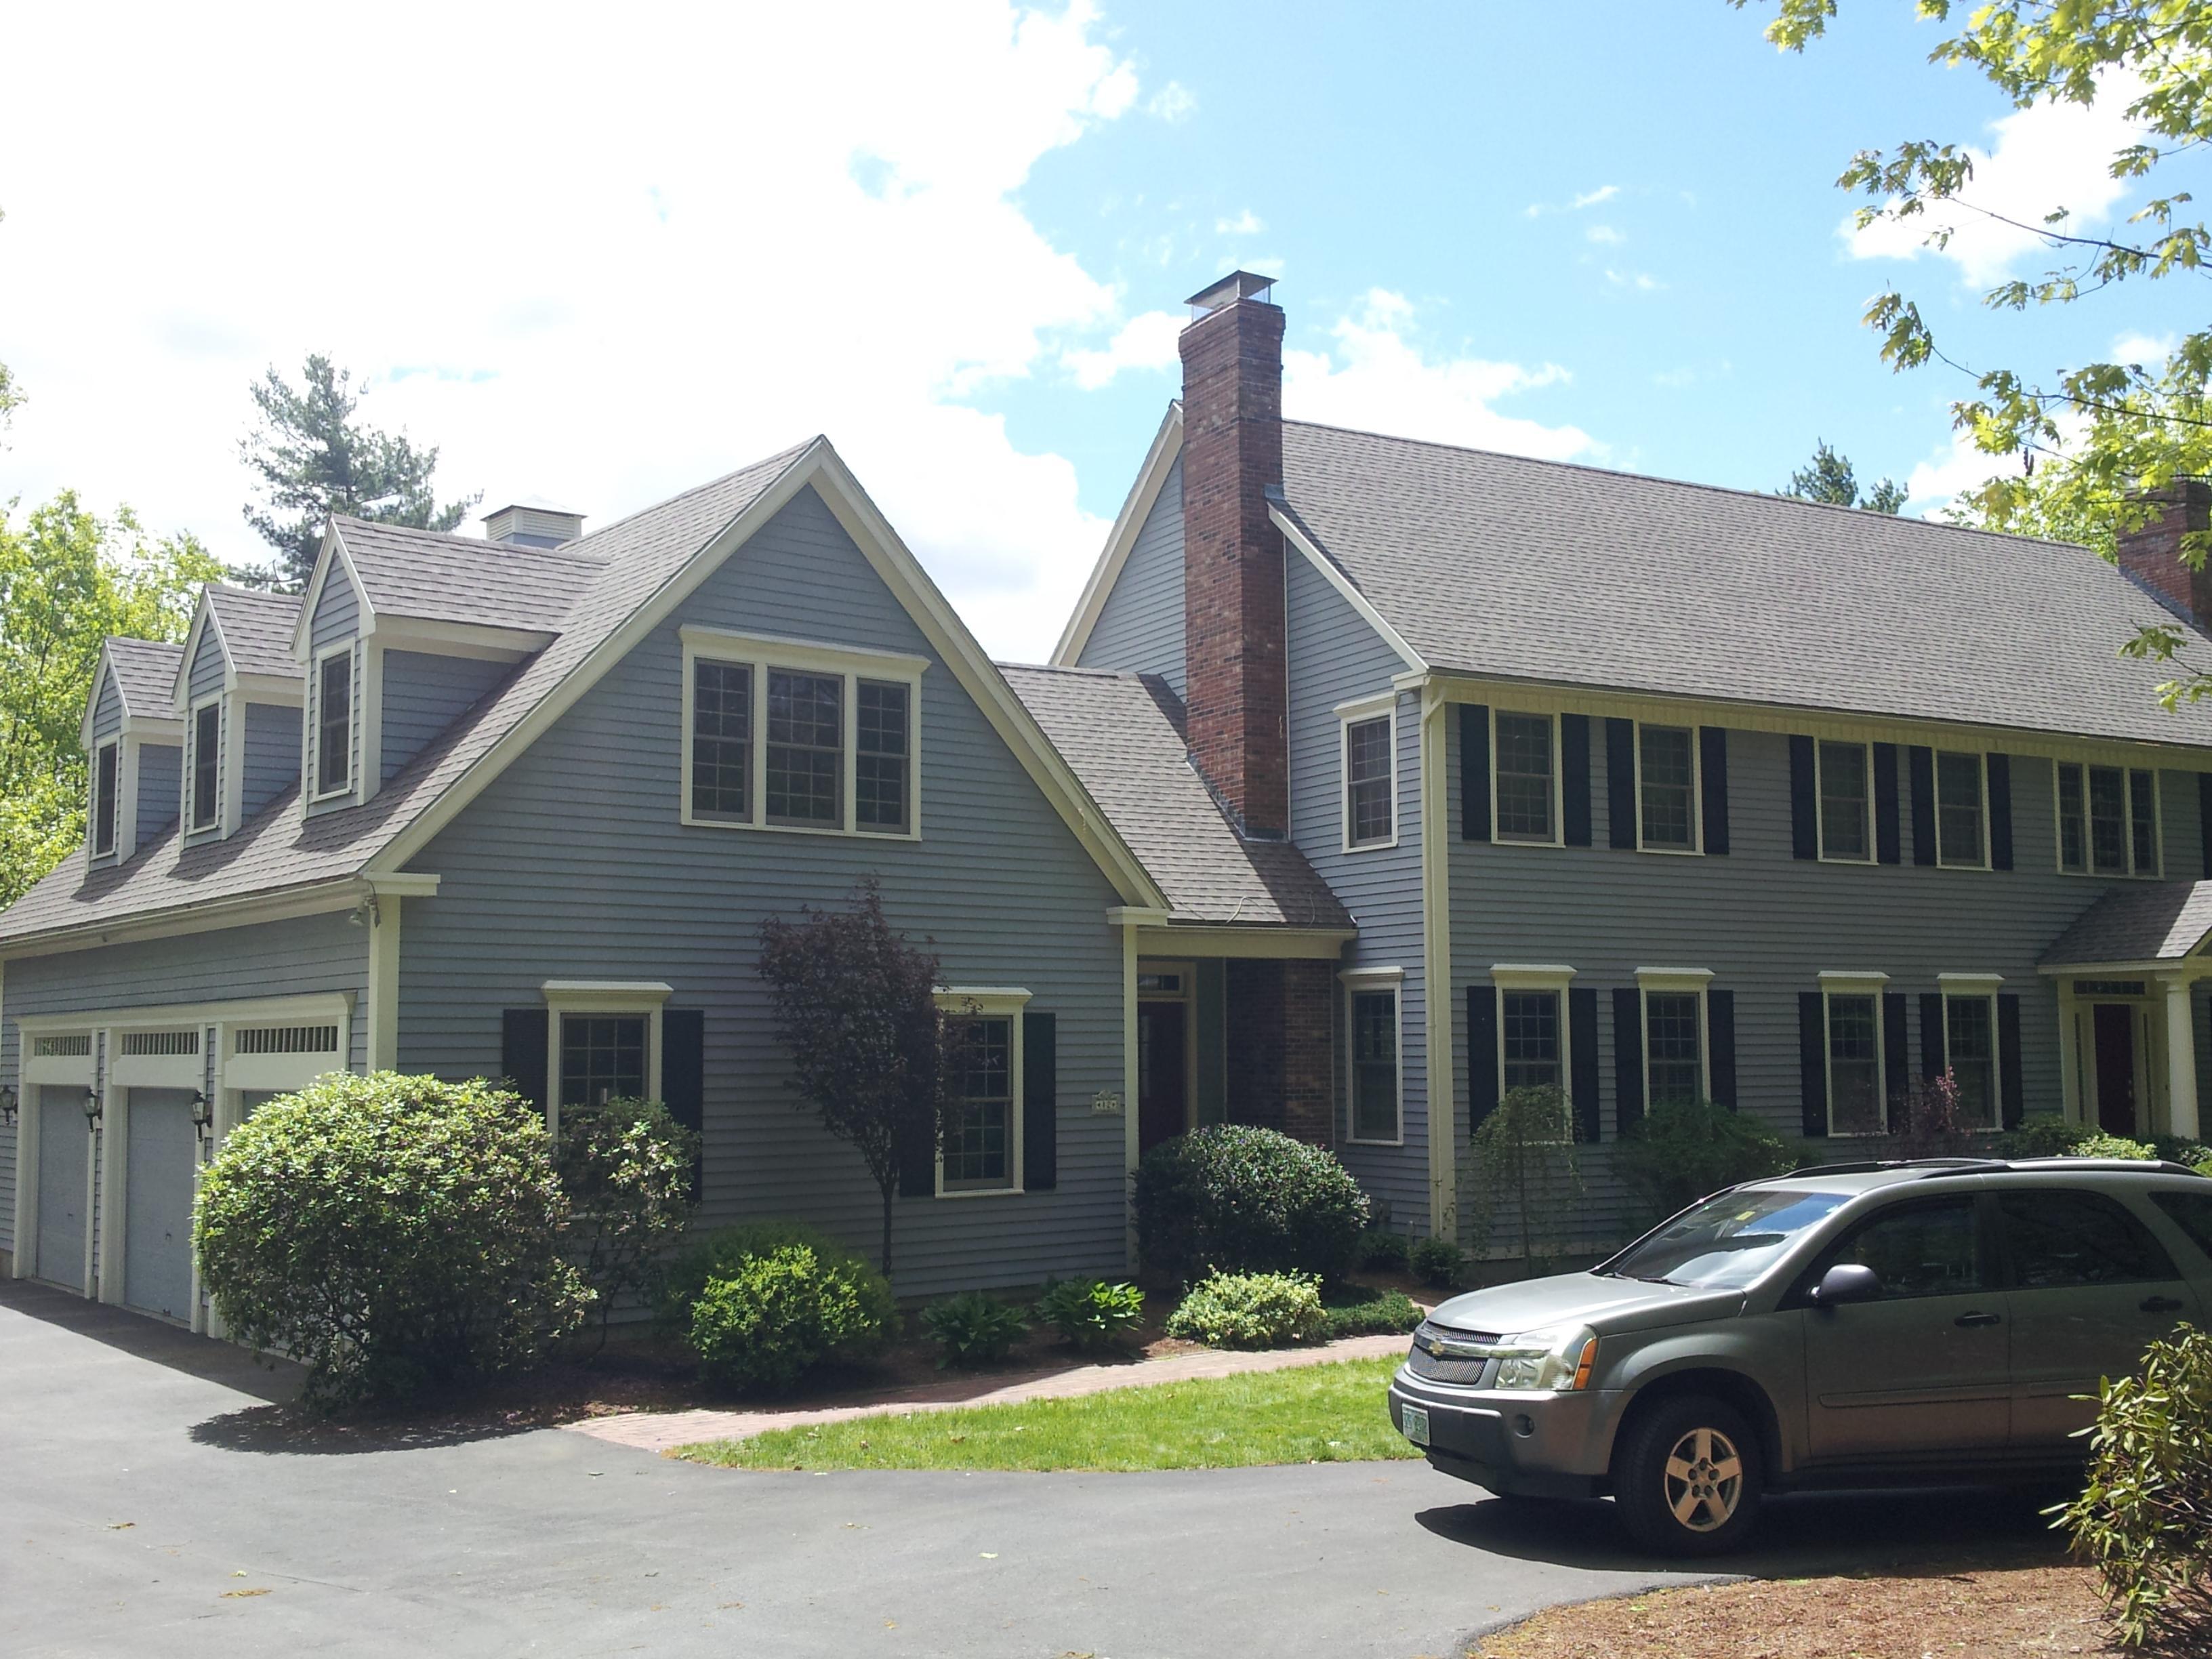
203	768
1962	817
1676	1066
1533	1016
1524	777
1374	1055
785	734
602	1041
1666	784
981	1153
2108	819
107	783
329	733
1845	800
1368	757
1855	1044
1969	1044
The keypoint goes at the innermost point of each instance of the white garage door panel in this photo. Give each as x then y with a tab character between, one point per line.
157	1235
63	1151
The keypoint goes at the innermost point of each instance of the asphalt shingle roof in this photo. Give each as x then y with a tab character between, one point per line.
1123	735
258	627
146	674
2159	922
1497	565
466	579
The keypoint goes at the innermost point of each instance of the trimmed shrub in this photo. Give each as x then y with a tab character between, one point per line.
2104	1145
1231	1195
777	1314
2145	1516
972	1329
1378	1313
1680	1152
2043	1137
391	1233
1250	1310
1382	1251
681	1279
1090	1313
1436	1263
626	1166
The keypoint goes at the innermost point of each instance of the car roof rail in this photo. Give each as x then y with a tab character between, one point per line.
2102	1165
1933	1166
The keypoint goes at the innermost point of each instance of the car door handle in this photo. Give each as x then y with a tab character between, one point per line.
2161	1304
1976	1319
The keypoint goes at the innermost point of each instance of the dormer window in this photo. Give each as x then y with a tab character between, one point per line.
104	780
333	757
207	767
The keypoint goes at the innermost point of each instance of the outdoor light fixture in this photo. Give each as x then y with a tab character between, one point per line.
92	1109
8	1105
203	1112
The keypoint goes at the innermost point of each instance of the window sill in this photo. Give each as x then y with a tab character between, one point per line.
692	822
1674	852
2111	875
329	795
979	1192
1525	840
1365	1140
1351	847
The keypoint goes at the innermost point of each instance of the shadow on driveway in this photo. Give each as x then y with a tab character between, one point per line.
295	1431
143	1337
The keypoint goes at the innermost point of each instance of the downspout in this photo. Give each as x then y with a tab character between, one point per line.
1435	967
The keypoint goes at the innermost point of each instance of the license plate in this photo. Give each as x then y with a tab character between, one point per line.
1415	1422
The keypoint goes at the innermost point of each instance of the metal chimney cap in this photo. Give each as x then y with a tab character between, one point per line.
1237	285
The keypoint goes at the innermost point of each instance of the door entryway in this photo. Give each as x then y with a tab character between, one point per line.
161	1149
2113	1026
1162	1099
64	1183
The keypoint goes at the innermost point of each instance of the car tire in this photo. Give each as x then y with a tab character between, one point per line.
1688	1477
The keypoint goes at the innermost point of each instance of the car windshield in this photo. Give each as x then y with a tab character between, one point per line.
1725	1242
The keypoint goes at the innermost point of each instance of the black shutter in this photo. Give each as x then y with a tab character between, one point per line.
917	1159
1620	784
1712	783
1888	841
2205	819
1627	1057
1804	801
1474	771
2000	780
1481	1054
684	1082
1581	1042
1811	1064
523	1036
1575	768
1922	763
1934	1041
1896	1064
1719	1046
2012	1088
1040	1102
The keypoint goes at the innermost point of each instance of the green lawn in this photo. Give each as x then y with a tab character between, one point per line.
1332	1413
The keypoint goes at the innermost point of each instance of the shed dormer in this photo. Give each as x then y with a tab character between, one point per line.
237	699
130	737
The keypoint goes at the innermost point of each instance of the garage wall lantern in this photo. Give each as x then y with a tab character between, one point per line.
8	1105
92	1109
203	1113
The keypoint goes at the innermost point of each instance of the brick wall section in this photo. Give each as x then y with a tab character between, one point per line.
1254	1040
1309	1069
1281	1047
1233	622
2152	555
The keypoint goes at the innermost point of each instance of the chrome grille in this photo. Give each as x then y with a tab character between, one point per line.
1455	1364
1465	1372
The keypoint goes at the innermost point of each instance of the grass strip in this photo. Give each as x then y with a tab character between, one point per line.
1328	1413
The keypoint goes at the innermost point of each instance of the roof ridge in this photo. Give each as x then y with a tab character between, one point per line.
1069	668
782	458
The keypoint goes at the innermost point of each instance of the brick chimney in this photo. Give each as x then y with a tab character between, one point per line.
2152	555
1233	623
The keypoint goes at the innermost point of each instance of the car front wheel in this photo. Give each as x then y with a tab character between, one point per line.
1687	1478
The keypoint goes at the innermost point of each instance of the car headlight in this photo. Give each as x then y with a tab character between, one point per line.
1560	1359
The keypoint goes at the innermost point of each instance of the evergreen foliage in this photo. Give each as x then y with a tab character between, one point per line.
1234	1196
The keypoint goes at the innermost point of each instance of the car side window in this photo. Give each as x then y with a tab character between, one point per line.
2191	1213
2061	1239
1917	1250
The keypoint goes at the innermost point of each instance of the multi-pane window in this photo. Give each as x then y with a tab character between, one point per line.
207	764
1528	1025
1958	816
1846	802
1673	1052
980	1137
721	738
1970	1046
2107	820
334	724
1375	1066
1524	769
103	800
1667	775
603	1058
880	768
805	747
1367	807
1855	1101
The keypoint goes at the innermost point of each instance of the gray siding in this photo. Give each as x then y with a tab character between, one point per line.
1140	629
423	695
206	678
273	755
338	611
573	864
106	709
1335	657
159	781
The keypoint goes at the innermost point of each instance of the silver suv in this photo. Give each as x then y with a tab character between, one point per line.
1849	1325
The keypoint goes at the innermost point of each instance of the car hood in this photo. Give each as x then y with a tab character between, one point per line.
1604	1304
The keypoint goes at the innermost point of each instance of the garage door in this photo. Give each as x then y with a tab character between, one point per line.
157	1191
63	1180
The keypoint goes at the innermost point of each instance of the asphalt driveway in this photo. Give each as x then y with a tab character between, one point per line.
147	1506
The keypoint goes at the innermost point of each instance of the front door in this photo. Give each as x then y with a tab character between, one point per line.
64	1164
161	1148
2115	1025
1163	1105
1922	1371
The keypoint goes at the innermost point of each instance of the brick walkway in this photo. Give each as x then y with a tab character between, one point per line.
659	1431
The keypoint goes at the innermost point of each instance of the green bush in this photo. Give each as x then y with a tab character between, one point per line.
1680	1152
2048	1136
2180	1148
2104	1145
681	1279
972	1329
1250	1310
1231	1195
2145	1516
777	1314
1382	1251
1376	1313
390	1233
1090	1313
626	1166
1436	1263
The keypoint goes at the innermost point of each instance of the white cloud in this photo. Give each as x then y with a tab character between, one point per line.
1606	234
1145	342
1642	281
1172	102
1378	379
1957	467
595	265
1246	224
2045	157
1589	198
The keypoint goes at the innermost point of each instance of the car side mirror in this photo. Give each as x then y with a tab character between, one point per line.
1847	1281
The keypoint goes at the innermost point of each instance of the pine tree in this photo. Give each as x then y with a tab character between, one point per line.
1828	477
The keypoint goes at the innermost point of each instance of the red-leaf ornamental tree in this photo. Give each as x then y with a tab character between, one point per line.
855	1006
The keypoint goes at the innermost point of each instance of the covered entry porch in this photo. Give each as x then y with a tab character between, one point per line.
2130	974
